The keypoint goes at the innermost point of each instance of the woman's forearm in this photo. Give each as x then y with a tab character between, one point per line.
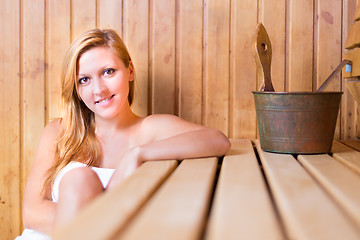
193	144
40	218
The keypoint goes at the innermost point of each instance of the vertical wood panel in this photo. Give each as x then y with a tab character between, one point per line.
242	69
136	37
57	42
162	54
33	82
109	14
216	63
328	45
350	113
300	58
10	119
189	59
273	16
83	16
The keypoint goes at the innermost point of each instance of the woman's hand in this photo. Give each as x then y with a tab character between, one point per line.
127	166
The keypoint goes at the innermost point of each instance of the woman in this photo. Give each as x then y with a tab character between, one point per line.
100	141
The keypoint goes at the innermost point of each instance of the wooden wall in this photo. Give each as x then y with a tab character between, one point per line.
192	57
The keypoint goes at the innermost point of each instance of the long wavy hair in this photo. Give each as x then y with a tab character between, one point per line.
77	140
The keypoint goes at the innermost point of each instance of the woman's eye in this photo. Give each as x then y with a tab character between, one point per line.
83	80
108	71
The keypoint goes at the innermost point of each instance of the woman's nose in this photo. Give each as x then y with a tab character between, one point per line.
98	86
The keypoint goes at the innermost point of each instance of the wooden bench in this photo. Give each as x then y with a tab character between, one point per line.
247	194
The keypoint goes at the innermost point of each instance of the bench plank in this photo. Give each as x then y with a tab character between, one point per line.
298	196
353	38
355	144
178	210
242	207
341	182
347	156
110	212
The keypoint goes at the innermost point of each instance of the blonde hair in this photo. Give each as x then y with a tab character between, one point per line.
77	140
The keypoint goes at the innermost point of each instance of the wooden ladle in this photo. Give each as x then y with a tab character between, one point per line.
262	52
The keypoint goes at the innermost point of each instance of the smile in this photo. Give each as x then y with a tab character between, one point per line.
105	100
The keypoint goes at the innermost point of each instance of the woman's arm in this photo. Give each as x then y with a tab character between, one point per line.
172	138
38	209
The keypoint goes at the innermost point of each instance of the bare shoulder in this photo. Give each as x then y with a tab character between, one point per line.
161	126
170	122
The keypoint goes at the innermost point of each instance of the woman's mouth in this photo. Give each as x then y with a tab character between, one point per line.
105	100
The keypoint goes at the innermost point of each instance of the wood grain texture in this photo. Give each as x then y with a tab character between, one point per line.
110	213
272	13
162	56
240	185
300	46
180	205
353	38
327	52
57	41
136	37
347	156
33	83
242	69
216	64
10	202
349	111
83	16
109	14
290	183
189	32
341	182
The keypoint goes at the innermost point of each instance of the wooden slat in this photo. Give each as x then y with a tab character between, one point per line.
189	32
347	156
83	17
10	201
110	212
357	13
300	41
242	208
306	210
179	208
57	42
341	182
162	56
354	56
109	15
354	88
242	69
353	38
328	42
33	82
328	46
348	111
136	37
355	144
273	16
216	64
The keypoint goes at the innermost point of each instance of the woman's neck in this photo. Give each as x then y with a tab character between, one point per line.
109	127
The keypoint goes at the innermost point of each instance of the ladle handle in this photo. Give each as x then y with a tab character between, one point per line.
333	74
262	53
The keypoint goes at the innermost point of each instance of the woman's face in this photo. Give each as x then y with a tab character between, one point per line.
103	82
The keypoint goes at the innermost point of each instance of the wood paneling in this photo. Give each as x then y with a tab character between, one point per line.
33	83
192	58
300	45
10	119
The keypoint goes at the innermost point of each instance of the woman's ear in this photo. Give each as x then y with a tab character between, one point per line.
131	71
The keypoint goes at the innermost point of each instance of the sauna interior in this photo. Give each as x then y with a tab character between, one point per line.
192	58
